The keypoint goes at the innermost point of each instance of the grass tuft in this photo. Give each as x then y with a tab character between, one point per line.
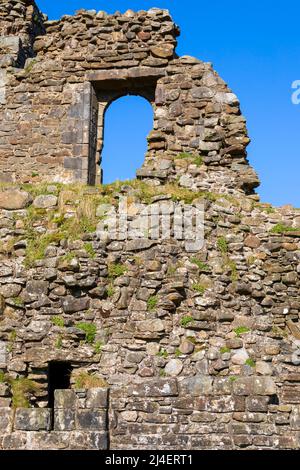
87	381
89	329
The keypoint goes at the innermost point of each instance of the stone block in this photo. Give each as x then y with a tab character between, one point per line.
290	394
72	163
295	418
224	404
14	199
32	419
254	385
15	441
64	399
10	44
72	304
5	420
93	420
81	440
3	78
264	386
196	386
257	403
45	201
4	390
5	402
2	95
123	75
37	288
64	419
159	388
3	354
54	440
243	386
97	398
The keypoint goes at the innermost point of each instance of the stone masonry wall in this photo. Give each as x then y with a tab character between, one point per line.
78	421
52	110
168	344
200	349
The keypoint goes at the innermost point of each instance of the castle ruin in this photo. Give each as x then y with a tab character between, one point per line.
142	343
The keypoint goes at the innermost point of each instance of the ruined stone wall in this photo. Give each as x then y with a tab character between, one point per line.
53	109
20	23
199	349
78	421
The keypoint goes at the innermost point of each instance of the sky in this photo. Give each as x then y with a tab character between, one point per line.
255	47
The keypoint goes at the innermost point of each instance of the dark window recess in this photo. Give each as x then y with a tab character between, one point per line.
274	400
58	378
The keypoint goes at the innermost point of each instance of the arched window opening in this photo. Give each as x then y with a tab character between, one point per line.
127	123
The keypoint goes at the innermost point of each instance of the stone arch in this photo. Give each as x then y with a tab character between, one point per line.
105	161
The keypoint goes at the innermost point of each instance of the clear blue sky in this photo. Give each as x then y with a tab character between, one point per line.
255	47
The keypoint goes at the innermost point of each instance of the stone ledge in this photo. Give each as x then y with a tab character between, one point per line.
123	75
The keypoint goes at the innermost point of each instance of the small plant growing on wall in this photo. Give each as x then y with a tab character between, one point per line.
201	265
58	321
186	321
21	388
152	303
222	245
240	330
98	347
87	380
116	270
89	329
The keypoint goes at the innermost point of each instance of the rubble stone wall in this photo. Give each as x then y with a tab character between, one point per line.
169	345
200	349
52	107
78	421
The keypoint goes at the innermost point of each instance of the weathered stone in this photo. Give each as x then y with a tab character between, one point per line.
91	420
186	347
198	312
6	416
164	52
2	304
196	386
257	403
14	199
151	325
64	399
7	291
72	305
139	244
249	417
37	288
3	354
64	419
45	201
174	367
130	416
97	398
161	388
240	357
32	419
254	386
252	241
263	368
295	418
